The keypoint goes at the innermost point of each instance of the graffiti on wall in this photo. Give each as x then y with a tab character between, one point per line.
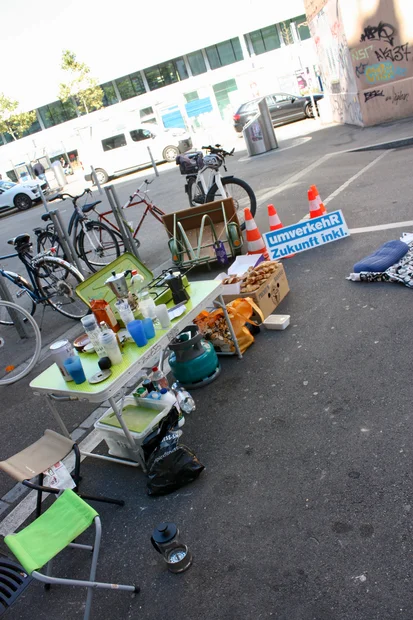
381	32
336	63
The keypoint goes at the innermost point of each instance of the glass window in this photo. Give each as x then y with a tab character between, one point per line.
114	142
224	53
197	63
193	96
282	97
303	30
165	74
125	88
286	32
137	83
109	94
145	112
57	112
34	128
140	134
265	40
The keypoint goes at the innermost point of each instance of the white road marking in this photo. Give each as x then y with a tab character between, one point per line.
262	198
25	508
356	176
366	229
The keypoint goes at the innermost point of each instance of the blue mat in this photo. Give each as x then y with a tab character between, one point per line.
383	258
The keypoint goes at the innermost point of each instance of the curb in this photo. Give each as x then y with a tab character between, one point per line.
391	144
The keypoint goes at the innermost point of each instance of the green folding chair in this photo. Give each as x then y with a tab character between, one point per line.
53	531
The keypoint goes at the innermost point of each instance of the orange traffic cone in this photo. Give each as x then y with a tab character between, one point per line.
275	222
255	241
316	209
318	198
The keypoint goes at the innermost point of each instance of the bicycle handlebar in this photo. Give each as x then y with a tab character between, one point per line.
218	150
73	198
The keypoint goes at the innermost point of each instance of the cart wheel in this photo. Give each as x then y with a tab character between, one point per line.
234	238
174	249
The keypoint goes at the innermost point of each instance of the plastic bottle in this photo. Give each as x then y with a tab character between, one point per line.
168	396
158	379
93	331
184	399
146	305
110	344
137	281
154	395
147	383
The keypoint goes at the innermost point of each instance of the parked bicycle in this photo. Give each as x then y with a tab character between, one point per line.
139	197
93	241
51	281
18	355
204	182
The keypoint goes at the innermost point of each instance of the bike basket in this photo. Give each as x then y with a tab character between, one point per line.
189	164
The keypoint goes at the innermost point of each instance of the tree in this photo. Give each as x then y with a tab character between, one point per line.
80	85
12	122
286	33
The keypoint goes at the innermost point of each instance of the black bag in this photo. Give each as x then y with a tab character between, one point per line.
188	164
171	467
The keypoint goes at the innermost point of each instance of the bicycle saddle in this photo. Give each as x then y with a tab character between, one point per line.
45	217
19	240
90	206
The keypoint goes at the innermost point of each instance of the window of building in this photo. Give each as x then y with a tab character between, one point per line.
165	74
265	40
192	96
140	134
222	91
130	85
57	112
224	53
114	142
303	30
196	62
109	94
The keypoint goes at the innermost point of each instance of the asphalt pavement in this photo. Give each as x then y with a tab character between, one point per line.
304	509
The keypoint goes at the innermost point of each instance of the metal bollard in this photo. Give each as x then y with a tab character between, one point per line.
15	317
153	161
96	180
66	242
126	234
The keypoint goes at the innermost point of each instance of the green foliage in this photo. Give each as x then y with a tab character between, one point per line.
12	122
80	85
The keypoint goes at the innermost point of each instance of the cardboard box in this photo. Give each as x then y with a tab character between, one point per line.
267	297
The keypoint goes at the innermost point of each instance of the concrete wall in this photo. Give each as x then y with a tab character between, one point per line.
365	57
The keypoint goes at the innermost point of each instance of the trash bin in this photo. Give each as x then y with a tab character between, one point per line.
259	132
59	174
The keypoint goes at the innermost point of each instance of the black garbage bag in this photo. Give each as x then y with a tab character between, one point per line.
171	466
153	440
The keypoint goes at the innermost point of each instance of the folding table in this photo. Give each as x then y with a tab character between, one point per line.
50	382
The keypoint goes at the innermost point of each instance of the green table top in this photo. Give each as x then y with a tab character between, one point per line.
134	357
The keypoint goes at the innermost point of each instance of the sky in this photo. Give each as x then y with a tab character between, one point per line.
115	37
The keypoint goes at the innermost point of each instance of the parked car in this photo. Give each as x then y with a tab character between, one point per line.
126	150
15	195
283	108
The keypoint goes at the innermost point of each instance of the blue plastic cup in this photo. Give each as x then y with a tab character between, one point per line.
136	330
74	367
148	328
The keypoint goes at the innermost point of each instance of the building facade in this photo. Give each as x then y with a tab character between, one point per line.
365	56
195	91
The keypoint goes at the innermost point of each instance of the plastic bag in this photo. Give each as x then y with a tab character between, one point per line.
171	466
214	326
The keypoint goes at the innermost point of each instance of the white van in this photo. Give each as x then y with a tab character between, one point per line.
125	150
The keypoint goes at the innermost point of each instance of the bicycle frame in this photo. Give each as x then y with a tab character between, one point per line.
30	288
216	179
150	208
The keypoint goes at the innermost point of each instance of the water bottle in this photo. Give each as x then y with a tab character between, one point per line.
167	396
184	399
158	379
92	330
110	344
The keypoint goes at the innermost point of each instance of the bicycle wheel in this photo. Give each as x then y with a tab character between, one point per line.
47	240
195	193
241	193
97	246
18	355
20	296
57	281
119	239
